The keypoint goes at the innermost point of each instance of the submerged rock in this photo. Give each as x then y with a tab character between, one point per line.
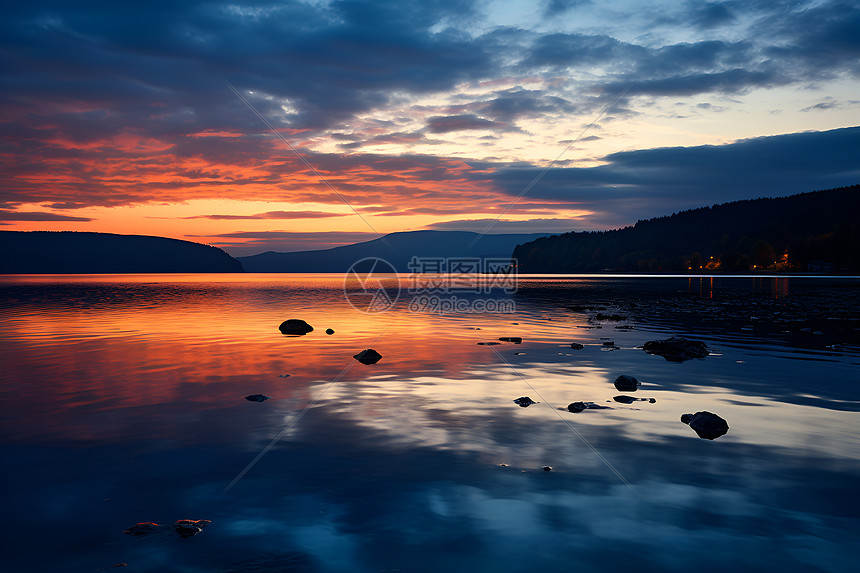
677	349
610	317
706	424
144	528
182	527
295	326
625	383
524	402
257	397
514	339
369	356
576	346
329	331
189	527
293	561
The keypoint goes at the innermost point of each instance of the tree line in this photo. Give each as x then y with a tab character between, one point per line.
816	231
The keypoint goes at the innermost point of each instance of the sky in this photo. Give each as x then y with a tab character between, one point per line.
287	126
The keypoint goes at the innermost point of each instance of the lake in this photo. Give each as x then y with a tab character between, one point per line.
122	401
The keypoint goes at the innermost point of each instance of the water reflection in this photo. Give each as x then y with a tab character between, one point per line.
122	400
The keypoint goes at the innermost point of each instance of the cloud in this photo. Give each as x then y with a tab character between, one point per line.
109	105
553	8
711	14
8	215
508	105
655	182
249	168
549	226
831	103
397	138
273	215
447	124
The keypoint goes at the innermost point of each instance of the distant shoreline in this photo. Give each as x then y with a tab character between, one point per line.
607	274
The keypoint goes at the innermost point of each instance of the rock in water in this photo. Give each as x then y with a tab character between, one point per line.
625	383
143	528
182	527
677	349
706	424
369	356
514	339
329	331
577	407
576	346
189	527
524	402
256	398
295	327
625	399
547	468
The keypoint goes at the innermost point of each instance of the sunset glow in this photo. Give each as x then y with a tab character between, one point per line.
417	116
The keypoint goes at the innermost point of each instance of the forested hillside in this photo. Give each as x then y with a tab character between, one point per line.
817	231
82	252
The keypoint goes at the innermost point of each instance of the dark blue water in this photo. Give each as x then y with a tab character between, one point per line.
122	402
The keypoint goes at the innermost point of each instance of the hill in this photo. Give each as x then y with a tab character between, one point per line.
23	252
817	231
396	248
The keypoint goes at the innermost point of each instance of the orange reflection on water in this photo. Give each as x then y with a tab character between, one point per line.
82	358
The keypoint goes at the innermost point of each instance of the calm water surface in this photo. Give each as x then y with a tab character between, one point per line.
122	401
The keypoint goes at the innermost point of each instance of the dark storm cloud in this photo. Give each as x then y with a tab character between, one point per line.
104	67
327	64
655	182
789	43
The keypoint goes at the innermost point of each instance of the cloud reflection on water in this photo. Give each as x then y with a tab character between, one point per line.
123	403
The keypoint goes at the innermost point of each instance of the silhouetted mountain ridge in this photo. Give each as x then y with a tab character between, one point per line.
23	252
395	248
819	230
